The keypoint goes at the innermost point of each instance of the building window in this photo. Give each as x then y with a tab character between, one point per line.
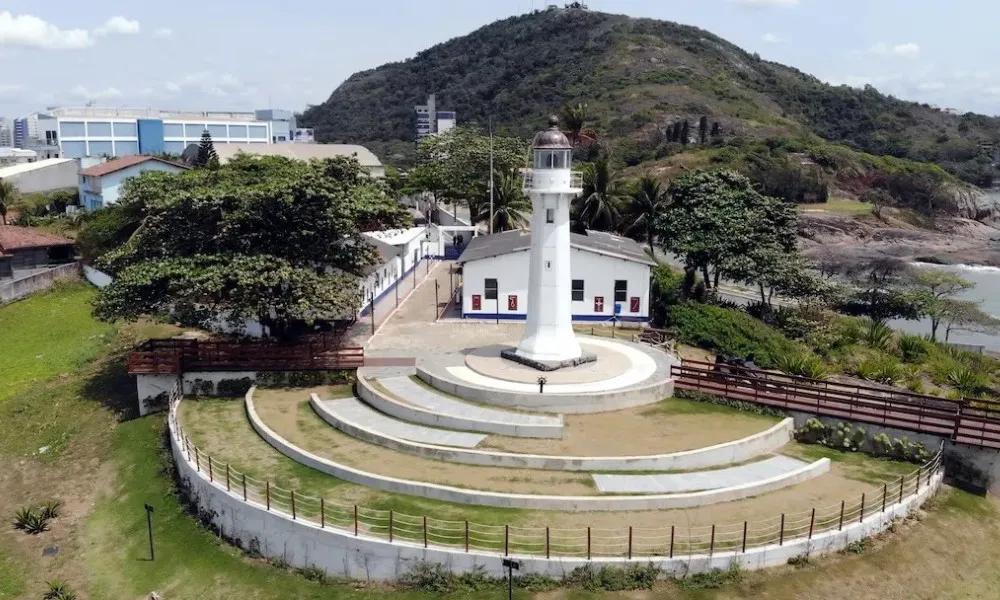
491	289
550	215
621	290
577	290
99	129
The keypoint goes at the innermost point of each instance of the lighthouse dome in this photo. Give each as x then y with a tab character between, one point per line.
553	137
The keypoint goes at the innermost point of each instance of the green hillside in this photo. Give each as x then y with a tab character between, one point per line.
637	76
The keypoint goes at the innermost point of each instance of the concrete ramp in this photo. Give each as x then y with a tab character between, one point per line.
353	411
671	483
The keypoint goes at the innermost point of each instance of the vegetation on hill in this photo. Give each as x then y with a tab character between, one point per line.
641	79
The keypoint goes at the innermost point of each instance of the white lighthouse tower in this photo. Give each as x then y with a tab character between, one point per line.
549	342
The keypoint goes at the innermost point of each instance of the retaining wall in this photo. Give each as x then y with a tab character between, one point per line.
150	387
712	456
415	414
11	290
529	501
338	552
553	403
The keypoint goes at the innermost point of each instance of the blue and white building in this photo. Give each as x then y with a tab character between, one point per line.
115	132
100	185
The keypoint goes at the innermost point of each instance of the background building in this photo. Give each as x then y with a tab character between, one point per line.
46	175
608	274
6	133
282	122
101	185
429	120
366	157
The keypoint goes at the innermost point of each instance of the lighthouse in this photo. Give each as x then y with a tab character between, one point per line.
549	341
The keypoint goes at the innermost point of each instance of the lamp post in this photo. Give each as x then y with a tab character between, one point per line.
491	173
511	566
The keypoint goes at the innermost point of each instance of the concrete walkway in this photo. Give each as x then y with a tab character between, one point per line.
354	411
386	307
423	397
698	480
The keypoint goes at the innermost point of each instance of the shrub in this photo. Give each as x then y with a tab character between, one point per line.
913	348
615	579
51	509
313	574
856	547
968	381
31	520
234	388
803	365
802	560
842	436
714	579
881	369
878	335
739	405
58	591
900	449
730	332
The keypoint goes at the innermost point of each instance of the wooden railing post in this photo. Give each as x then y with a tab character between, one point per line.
390	525
861	517
744	537
812	523
781	534
588	543
630	542
267	493
322	513
467	535
506	540
885	494
901	488
228	487
840	527
293	505
244	487
355	520
425	531
211	477
711	544
919	471
548	548
671	541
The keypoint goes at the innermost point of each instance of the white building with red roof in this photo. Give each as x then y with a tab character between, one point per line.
101	185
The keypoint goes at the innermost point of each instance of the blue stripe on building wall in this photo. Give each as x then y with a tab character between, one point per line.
150	136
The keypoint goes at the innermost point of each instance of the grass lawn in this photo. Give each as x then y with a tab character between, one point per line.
104	470
839	206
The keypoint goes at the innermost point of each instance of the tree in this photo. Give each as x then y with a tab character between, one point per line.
703	129
716	131
271	239
597	207
935	289
510	205
965	315
8	195
647	201
455	165
207	157
879	290
685	133
574	118
676	136
718	221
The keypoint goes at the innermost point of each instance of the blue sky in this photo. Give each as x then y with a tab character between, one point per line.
232	54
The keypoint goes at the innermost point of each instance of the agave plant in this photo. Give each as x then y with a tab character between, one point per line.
913	347
30	520
51	509
878	334
968	381
882	369
802	365
58	591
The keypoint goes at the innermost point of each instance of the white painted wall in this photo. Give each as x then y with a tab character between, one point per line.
58	176
107	189
598	271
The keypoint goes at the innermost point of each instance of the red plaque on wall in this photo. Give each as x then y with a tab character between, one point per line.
512	302
634	303
477	302
598	304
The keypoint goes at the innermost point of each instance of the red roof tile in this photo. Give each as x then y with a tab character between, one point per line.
17	238
124	162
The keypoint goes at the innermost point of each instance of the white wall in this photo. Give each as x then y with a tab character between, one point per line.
599	273
62	176
110	184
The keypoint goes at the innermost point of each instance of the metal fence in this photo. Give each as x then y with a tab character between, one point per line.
581	542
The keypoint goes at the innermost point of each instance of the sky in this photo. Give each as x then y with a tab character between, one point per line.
247	54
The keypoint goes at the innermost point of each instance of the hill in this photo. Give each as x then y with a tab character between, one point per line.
637	76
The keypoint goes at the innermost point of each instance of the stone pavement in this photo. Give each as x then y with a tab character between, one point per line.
698	480
395	301
418	395
352	410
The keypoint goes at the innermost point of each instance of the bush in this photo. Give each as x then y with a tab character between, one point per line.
968	381
714	579
296	379
30	520
51	509
878	335
667	291
914	348
881	369
730	332
234	388
739	405
802	365
842	436
58	591
900	449
615	579
313	574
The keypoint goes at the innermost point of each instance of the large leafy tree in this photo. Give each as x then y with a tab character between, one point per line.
510	205
966	315
879	290
597	207
270	239
935	290
718	222
648	199
454	166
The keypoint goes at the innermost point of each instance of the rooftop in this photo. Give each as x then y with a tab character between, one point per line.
299	151
519	240
32	166
98	112
19	238
397	237
124	162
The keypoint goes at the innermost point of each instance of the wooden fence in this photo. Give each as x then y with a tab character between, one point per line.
975	422
173	356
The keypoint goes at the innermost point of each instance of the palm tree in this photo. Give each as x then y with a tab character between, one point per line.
648	200
510	205
574	118
597	207
8	194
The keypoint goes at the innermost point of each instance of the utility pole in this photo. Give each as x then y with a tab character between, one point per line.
491	174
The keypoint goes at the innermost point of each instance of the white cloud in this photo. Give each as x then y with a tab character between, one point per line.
164	33
770	38
172	87
908	50
82	92
767	3
30	31
931	86
118	25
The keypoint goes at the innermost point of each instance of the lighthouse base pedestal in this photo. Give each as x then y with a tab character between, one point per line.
548	365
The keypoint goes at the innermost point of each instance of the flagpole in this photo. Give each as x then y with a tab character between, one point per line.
491	173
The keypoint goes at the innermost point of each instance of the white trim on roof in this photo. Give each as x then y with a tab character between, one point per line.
32	166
